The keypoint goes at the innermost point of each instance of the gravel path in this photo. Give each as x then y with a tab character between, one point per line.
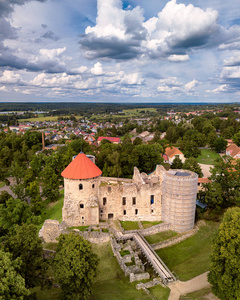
206	169
180	288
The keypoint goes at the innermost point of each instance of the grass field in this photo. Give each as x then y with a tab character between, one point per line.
41	119
160	237
147	224
160	292
138	111
53	210
207	157
201	294
191	257
129	225
2	184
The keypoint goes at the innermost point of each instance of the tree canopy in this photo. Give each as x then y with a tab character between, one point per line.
75	266
224	272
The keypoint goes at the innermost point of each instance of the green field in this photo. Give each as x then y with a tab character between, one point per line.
201	294
191	257
41	119
129	225
138	111
160	237
147	224
207	157
110	282
2	184
53	210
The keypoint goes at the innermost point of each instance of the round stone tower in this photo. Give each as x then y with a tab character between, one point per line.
81	182
179	199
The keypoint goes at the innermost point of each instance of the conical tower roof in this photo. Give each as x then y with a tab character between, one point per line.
81	168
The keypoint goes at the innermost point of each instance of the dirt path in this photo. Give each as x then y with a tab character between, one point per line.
206	169
179	288
7	187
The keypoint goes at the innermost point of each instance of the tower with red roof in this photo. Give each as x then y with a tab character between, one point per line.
81	182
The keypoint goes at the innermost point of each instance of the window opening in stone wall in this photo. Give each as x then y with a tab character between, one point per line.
110	216
104	201
124	212
82	218
81	205
109	189
124	201
152	211
82	222
152	199
80	186
101	211
136	211
93	186
134	201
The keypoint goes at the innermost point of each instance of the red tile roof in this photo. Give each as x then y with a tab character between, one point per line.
172	151
111	139
81	168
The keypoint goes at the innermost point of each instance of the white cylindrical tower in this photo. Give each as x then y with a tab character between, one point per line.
179	199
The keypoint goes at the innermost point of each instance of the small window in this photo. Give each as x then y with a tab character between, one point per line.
109	189
136	211
82	218
101	211
199	184
152	199
134	201
82	222
104	201
152	211
124	212
81	205
80	186
93	186
124	201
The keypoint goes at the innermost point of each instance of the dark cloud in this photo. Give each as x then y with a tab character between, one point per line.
50	35
6	6
44	26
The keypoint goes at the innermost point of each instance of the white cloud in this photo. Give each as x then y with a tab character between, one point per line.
132	79
178	58
191	85
231	72
52	53
220	89
234	60
97	69
9	77
79	70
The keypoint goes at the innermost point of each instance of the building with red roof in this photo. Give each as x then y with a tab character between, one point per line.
114	140
171	153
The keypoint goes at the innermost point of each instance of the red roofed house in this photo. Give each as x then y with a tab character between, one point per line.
114	140
233	150
171	153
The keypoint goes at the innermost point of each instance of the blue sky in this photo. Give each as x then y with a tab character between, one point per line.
120	51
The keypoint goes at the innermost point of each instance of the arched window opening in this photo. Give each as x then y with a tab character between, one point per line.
80	186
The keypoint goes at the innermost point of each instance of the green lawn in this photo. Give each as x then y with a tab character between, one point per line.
191	257
2	184
129	225
160	237
147	224
160	292
53	210
201	294
207	157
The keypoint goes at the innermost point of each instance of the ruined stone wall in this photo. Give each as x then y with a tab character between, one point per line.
81	202
132	200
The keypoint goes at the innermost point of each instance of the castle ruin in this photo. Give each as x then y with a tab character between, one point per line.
169	196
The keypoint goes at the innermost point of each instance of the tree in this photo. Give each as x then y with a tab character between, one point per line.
191	165
177	163
24	243
224	272
236	138
50	183
75	266
220	144
12	284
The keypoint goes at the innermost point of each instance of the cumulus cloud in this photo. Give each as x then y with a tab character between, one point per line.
234	60
9	77
231	72
97	69
178	58
172	84
177	29
220	89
